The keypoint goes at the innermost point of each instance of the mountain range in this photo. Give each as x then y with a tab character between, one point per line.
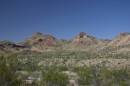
41	42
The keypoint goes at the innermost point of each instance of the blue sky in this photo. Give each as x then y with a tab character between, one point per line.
104	19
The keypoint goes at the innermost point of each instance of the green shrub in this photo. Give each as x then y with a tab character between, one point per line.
53	77
101	76
8	67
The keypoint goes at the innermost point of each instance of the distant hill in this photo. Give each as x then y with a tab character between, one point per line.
41	42
84	41
120	40
7	46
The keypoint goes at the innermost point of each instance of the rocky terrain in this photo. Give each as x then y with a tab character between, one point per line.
7	46
84	42
120	40
43	60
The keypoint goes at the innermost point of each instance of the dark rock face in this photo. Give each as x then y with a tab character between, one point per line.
81	34
40	40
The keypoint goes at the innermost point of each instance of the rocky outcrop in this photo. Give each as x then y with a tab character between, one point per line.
81	35
84	39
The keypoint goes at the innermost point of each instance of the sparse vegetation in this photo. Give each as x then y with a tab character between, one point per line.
55	69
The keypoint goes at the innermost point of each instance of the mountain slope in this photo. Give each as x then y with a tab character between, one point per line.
7	46
120	40
40	41
84	41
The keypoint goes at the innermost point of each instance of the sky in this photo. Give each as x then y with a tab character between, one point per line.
63	19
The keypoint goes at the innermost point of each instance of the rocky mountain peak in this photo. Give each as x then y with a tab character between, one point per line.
120	40
81	34
122	35
85	40
41	41
37	33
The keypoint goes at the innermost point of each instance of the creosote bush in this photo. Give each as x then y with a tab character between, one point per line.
101	76
8	67
52	76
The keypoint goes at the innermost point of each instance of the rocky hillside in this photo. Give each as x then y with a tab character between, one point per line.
40	41
7	46
84	41
120	40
